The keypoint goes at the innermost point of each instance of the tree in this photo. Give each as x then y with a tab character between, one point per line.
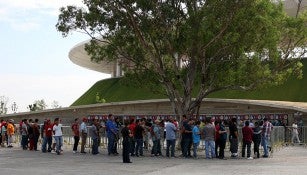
192	47
99	99
3	104
55	104
38	105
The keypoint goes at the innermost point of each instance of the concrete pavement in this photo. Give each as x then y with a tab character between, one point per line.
14	161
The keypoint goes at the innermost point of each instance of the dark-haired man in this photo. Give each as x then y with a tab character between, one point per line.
76	134
233	137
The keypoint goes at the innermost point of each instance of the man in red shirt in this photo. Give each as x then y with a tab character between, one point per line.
47	136
247	133
132	139
76	134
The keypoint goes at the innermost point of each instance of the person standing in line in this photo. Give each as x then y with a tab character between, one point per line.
111	132
156	139
83	129
222	140
76	134
295	133
126	134
233	137
24	134
36	134
209	134
57	131
94	135
184	122
170	131
131	127
256	139
247	133
10	133
139	135
117	127
3	132
267	128
31	134
196	138
187	139
217	136
47	135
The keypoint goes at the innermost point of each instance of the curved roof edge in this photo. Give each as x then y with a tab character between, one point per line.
79	56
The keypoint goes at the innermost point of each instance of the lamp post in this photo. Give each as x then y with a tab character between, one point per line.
14	107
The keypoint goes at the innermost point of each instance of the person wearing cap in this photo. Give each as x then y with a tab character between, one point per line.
10	132
156	138
83	129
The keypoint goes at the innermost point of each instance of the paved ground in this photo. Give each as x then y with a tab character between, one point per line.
288	160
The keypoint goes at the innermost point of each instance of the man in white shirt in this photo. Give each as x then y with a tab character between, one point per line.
57	131
295	133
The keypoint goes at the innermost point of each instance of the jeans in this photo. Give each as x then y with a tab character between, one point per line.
222	145
248	144
233	145
171	143
59	143
44	145
76	142
195	145
210	146
83	142
111	141
187	143
131	146
139	147
24	142
256	148
95	146
35	139
156	148
264	143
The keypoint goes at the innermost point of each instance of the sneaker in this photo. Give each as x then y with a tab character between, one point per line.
53	151
74	152
250	158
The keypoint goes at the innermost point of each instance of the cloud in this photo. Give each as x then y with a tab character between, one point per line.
29	15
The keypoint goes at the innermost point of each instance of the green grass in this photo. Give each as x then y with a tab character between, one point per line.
113	91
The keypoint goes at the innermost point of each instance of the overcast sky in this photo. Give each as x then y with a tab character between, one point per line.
34	56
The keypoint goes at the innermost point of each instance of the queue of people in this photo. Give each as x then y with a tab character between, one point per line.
136	134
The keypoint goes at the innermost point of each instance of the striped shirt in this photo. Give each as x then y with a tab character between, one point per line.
267	128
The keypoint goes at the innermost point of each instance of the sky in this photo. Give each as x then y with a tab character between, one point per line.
34	61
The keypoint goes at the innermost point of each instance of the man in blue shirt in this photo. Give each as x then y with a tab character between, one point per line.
170	137
111	132
196	138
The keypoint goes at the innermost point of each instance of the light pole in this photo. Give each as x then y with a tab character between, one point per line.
14	107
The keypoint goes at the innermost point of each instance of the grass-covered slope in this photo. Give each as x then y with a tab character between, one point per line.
113	91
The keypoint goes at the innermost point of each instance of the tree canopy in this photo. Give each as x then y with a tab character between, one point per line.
200	46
